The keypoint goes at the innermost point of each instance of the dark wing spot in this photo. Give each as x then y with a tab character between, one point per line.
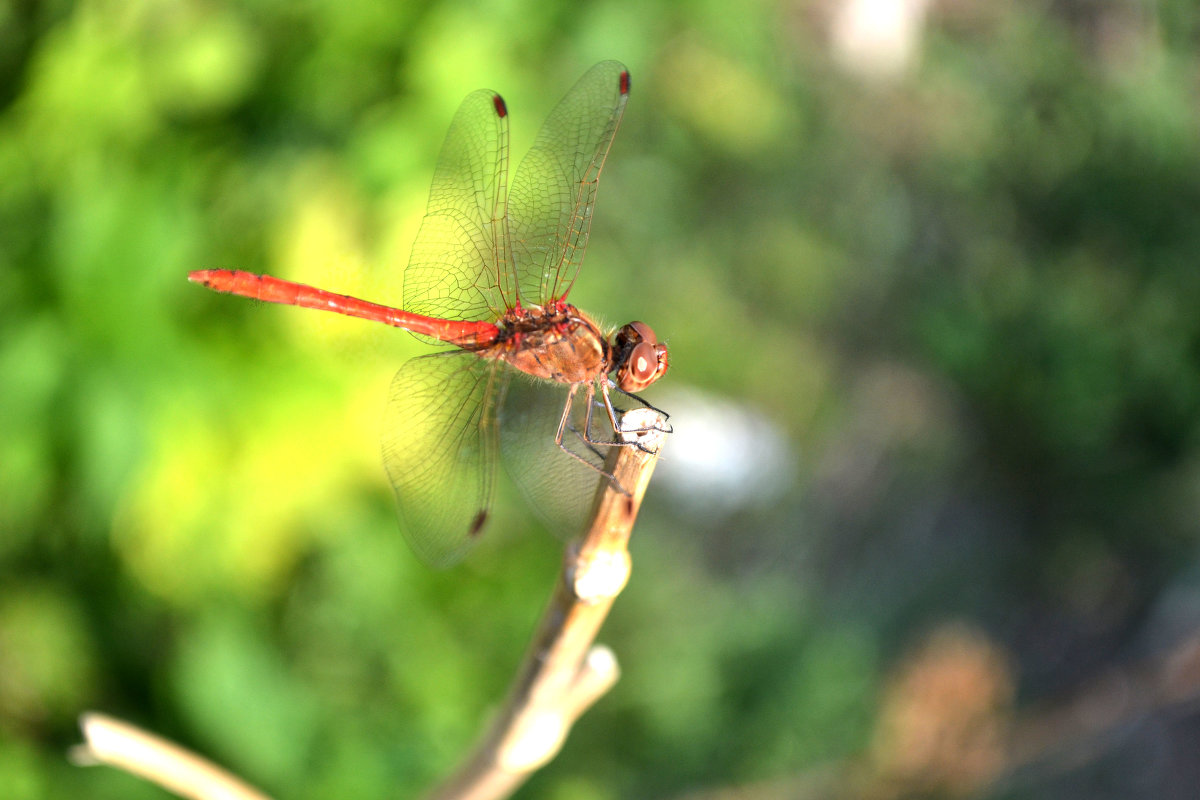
477	524
498	102
624	79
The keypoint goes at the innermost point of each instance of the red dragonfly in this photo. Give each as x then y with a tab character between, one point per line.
490	272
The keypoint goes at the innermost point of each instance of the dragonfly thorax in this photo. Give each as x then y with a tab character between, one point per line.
554	343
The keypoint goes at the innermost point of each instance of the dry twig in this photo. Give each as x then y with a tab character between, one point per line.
562	675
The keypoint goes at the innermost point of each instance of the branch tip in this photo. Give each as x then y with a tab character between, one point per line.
537	740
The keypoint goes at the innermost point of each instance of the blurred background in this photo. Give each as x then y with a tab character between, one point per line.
928	271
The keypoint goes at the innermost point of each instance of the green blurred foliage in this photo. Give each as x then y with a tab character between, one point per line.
964	295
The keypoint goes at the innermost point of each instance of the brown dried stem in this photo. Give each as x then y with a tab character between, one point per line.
561	677
563	673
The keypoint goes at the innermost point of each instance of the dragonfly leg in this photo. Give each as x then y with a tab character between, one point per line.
641	401
584	437
579	436
563	424
638	398
612	418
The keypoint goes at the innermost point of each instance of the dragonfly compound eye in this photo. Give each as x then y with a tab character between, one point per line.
644	332
643	362
644	365
632	334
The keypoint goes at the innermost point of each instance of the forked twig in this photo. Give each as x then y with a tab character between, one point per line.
563	673
562	676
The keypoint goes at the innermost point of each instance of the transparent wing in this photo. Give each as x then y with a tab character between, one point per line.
460	266
554	188
559	487
439	449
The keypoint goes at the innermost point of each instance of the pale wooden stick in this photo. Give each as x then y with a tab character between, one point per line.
119	744
563	673
562	676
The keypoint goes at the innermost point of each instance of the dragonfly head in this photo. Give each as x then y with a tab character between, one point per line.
638	358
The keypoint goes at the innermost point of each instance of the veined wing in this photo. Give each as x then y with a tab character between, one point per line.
440	448
460	266
554	189
558	487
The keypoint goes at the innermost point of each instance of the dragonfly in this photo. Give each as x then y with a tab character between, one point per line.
491	269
